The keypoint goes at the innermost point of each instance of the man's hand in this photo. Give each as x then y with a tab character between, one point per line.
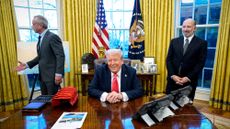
58	80
21	66
177	79
180	80
114	97
185	80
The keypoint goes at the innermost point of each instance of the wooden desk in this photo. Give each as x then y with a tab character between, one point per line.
103	116
148	81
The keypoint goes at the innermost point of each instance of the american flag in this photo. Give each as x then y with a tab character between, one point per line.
100	32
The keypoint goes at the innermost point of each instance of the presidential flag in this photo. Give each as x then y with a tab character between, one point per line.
100	32
136	34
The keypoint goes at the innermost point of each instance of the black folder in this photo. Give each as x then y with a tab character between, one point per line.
34	107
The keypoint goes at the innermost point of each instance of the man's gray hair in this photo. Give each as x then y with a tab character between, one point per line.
114	51
41	20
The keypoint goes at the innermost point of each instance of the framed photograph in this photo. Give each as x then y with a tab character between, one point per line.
152	68
149	60
84	68
136	64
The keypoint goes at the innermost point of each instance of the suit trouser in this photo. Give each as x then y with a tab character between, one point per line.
49	88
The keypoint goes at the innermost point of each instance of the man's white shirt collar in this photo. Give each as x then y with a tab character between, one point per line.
43	33
189	38
118	73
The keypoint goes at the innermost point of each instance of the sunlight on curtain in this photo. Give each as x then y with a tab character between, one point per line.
13	90
220	89
79	18
158	16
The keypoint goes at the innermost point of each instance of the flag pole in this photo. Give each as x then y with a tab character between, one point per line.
98	5
136	17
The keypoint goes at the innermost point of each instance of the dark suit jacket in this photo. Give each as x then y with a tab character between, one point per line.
50	58
191	62
101	82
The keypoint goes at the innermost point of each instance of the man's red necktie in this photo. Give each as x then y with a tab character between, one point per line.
115	83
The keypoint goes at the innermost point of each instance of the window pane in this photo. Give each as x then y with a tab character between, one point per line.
34	36
118	16
180	32
119	39
201	2
127	19
117	5
215	1
187	2
108	5
20	3
214	14
24	35
200	79
200	14
125	44
128	5
118	20
210	58
49	4
200	32
22	17
54	31
212	34
109	19
51	16
186	12
31	78
34	12
35	3
207	78
115	38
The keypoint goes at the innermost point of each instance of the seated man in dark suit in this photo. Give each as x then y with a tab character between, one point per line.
115	81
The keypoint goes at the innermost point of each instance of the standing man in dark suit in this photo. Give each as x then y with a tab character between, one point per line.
186	58
50	57
115	81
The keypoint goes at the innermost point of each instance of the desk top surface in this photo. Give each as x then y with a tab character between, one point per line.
104	116
92	73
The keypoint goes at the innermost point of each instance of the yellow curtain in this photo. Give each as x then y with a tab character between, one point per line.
220	88
12	89
79	18
158	16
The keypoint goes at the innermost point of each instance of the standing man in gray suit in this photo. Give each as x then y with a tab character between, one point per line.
50	57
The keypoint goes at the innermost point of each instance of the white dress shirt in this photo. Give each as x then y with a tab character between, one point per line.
124	95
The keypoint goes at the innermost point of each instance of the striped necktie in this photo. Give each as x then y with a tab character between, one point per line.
38	44
115	83
185	45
